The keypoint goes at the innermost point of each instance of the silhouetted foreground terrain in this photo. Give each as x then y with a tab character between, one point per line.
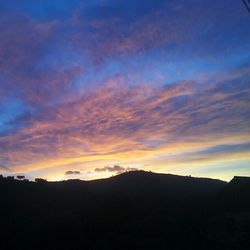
134	211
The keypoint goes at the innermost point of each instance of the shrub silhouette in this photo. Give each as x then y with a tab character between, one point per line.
40	180
10	177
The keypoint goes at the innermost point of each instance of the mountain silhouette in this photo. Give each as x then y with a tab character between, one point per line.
134	210
235	196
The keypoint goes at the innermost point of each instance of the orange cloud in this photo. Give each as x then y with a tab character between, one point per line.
121	125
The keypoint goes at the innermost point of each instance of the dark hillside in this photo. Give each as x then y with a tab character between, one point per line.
235	196
134	210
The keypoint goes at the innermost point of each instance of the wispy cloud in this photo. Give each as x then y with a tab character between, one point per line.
122	123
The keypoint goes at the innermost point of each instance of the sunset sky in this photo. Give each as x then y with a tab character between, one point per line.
89	89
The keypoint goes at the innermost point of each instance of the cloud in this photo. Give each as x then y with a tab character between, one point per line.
117	123
20	177
160	26
70	172
233	152
116	168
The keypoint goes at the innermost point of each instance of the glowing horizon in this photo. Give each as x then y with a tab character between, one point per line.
87	87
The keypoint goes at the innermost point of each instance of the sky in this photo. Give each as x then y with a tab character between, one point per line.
90	89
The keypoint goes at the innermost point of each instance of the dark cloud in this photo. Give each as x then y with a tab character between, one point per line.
116	168
226	149
70	172
20	177
215	152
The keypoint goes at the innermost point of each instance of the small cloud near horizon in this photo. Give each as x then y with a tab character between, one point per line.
116	168
70	172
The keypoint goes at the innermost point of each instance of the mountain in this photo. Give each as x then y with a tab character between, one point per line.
236	194
134	210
